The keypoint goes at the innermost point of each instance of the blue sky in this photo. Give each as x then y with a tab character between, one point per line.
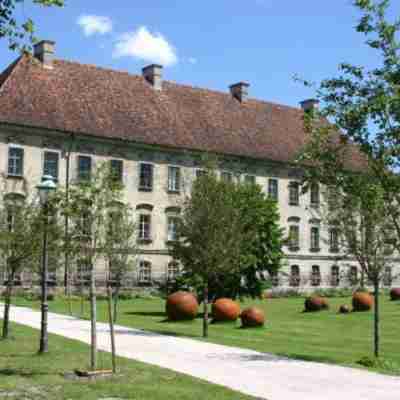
209	43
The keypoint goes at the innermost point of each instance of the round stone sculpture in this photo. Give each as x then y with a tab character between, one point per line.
344	309
315	303
252	317
395	294
362	301
182	306
224	310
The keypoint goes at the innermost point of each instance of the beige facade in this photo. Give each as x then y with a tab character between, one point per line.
160	203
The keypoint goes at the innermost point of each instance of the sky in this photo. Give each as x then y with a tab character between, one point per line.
208	43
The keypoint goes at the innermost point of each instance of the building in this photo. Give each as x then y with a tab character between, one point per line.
61	118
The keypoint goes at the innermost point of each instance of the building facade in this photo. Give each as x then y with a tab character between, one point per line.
62	119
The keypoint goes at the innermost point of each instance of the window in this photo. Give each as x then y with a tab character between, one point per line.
174	179
10	219
274	278
314	195
314	238
293	194
294	279
50	164
227	176
145	272
315	276
146	177
144	226
172	270
335	278
333	240
85	224
16	161
83	272
273	189
172	233
117	170
250	179
387	276
200	173
84	168
294	238
353	276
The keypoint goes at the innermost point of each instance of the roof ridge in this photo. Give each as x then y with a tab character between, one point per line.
181	85
8	72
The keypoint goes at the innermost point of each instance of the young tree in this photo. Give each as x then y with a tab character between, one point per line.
20	243
209	234
89	204
354	145
120	248
20	34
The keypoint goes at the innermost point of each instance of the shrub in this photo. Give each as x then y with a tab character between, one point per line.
315	303
362	301
395	294
225	310
252	317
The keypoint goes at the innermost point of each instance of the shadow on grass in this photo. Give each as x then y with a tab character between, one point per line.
146	313
22	373
154	333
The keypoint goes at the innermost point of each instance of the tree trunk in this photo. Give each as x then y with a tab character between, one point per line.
93	318
44	337
116	298
112	334
205	315
7	306
376	319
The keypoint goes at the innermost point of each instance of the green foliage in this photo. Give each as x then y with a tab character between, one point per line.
230	236
20	34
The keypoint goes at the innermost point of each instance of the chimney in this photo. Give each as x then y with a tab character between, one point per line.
240	91
309	105
44	52
153	75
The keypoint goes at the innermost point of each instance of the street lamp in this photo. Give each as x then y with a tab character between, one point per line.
45	188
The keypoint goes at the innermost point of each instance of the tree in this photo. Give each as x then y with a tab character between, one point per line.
89	204
20	34
354	142
120	248
209	234
229	237
20	243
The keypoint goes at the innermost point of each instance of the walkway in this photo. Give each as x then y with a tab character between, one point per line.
261	375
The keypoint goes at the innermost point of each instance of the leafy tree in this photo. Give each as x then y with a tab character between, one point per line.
88	208
354	141
20	34
209	234
229	236
20	244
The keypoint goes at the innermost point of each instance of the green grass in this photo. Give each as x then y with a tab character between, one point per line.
26	375
325	336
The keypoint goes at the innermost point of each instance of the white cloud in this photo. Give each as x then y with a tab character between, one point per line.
92	24
192	60
147	46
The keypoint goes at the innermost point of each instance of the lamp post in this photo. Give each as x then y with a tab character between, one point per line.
45	188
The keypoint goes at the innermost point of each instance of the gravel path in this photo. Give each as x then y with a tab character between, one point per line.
259	374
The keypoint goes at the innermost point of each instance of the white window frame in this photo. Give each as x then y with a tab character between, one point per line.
145	272
141	226
271	195
15	146
58	162
174	182
78	176
144	188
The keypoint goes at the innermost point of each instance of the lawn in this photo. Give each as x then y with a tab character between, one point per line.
325	336
26	375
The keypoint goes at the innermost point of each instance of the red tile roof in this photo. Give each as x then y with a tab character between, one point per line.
104	103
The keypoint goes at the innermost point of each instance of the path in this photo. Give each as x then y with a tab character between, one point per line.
262	375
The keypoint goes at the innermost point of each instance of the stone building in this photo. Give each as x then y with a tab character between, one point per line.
62	118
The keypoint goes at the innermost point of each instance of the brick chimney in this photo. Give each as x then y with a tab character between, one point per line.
153	74
240	91
44	52
309	105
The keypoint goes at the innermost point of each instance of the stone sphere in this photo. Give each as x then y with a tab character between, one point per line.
395	294
362	301
252	317
316	303
344	309
182	306
225	310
